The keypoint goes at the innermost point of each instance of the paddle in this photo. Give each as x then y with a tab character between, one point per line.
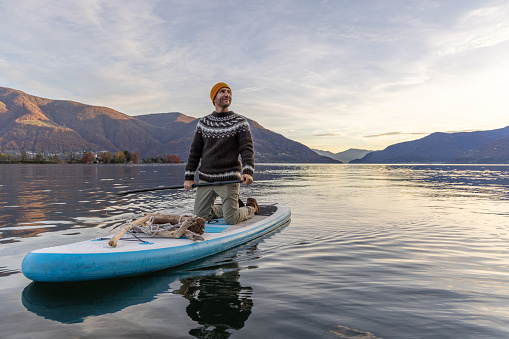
215	183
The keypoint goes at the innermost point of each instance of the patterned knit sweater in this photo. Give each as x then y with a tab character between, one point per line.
218	141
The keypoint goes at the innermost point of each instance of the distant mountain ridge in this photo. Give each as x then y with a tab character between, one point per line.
345	156
495	152
486	147
37	124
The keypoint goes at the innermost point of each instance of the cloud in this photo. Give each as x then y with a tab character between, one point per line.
479	28
250	89
393	134
463	131
327	135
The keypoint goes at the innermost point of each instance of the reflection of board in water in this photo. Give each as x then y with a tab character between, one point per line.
72	302
95	259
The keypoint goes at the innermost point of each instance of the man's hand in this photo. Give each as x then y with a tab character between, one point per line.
188	184
247	179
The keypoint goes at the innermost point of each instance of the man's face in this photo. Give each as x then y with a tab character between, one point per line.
223	98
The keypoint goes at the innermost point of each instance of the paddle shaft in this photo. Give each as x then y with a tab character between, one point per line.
215	183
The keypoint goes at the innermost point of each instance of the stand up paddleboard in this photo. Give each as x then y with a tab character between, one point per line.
95	259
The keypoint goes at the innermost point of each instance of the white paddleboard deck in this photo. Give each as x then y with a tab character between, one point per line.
95	259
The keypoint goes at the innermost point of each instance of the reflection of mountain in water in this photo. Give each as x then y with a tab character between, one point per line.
40	198
450	180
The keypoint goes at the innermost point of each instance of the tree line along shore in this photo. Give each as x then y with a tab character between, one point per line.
120	157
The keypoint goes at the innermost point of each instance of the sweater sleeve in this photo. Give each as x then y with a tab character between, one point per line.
195	154
246	150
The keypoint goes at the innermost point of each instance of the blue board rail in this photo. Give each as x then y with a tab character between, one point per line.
48	266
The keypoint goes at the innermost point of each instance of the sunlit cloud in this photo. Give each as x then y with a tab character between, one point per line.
249	89
393	134
483	27
327	135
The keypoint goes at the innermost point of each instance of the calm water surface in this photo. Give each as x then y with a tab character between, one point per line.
372	251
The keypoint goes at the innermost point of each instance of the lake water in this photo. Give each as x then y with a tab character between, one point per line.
372	251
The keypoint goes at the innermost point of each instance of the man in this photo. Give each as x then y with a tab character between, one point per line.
219	139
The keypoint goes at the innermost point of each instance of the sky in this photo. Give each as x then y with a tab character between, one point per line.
332	75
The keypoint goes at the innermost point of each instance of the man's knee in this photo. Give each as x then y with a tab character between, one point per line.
232	218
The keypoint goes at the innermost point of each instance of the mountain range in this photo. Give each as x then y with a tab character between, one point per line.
479	147
31	123
345	156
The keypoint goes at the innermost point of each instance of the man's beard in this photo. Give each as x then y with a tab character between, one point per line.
224	104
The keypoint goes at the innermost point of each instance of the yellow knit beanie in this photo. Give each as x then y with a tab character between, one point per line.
216	89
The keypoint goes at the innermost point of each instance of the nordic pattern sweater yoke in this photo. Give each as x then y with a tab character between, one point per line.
219	140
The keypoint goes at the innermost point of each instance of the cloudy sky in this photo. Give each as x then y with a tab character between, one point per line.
330	74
